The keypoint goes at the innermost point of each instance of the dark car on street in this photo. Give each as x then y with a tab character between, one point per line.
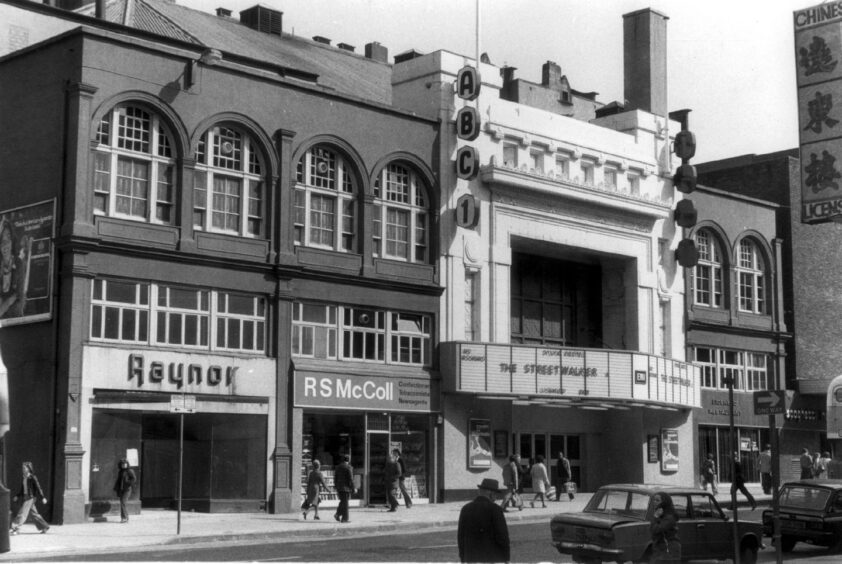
614	526
811	512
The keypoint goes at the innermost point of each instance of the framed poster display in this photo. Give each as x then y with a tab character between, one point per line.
669	450
479	443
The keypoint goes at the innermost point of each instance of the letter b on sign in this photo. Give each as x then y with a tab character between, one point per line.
467	123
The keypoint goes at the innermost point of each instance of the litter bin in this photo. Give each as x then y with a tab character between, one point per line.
4	519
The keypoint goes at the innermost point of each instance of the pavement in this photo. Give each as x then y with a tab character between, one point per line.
157	528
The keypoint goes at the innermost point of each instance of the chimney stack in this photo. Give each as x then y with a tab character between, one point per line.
376	52
645	61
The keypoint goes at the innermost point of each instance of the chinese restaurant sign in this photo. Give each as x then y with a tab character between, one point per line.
818	61
569	373
26	263
351	391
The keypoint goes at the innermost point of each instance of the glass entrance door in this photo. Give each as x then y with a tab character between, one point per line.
378	450
530	445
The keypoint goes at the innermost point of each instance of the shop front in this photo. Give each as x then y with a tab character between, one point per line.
366	417
161	410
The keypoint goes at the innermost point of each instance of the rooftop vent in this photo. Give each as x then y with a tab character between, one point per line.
346	47
321	39
223	12
262	19
376	52
407	56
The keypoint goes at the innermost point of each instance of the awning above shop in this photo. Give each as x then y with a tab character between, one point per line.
162	402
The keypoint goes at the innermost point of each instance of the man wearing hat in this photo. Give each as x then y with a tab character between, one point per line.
483	535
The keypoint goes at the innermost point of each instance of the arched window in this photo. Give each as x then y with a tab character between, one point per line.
134	167
325	201
750	276
707	275
229	192
401	216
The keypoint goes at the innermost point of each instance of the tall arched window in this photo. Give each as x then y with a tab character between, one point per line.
750	276
325	201
707	275
401	217
134	166
229	192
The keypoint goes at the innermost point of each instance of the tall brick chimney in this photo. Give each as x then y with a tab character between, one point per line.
645	61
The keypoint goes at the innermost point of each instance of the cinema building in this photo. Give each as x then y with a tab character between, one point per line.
562	325
218	223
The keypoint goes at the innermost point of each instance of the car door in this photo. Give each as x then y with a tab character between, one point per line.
686	530
712	534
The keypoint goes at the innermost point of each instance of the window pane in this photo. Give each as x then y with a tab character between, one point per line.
233	333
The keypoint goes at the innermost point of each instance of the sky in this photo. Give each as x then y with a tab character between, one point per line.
731	62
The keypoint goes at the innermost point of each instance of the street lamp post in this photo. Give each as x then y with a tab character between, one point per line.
729	381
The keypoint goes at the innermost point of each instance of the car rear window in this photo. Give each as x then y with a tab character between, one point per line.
804	497
619	501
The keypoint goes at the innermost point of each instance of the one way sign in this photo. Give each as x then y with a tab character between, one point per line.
769	402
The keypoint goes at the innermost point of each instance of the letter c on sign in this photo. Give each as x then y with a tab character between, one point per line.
467	162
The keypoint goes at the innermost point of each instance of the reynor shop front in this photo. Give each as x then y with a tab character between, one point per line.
135	403
619	416
365	412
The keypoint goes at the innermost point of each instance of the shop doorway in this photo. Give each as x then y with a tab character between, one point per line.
378	450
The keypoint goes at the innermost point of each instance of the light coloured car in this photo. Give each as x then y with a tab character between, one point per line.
614	526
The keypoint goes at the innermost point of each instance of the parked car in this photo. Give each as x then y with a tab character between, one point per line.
810	511
614	526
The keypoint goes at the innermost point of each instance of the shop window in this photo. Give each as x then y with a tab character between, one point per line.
363	334
228	186
314	330
325	201
134	167
750	275
401	215
707	274
240	322
120	311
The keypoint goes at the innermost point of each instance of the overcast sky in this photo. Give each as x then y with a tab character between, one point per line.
730	61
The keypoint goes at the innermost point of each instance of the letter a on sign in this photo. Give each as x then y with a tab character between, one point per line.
468	83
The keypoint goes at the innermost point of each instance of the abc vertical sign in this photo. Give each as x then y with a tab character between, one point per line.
467	123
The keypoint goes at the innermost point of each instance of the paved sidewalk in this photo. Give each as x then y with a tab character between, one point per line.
156	528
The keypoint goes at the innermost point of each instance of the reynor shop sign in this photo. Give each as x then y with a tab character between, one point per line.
361	392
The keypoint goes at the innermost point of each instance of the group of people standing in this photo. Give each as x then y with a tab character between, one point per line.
513	474
815	466
394	472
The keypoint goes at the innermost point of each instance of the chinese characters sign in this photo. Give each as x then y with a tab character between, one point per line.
818	58
26	263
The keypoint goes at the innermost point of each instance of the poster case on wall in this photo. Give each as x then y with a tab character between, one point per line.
479	443
26	263
669	450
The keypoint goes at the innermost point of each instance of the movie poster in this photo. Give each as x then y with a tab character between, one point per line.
669	446
479	443
26	263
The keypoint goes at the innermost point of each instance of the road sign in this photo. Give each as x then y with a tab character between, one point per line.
182	404
769	402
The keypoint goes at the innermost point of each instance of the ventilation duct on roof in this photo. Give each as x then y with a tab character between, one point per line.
321	39
263	19
346	47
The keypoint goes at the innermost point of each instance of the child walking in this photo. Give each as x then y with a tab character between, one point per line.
315	483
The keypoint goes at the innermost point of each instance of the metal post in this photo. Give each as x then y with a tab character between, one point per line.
774	435
730	381
180	465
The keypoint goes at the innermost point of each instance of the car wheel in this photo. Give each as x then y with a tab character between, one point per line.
748	553
647	557
787	543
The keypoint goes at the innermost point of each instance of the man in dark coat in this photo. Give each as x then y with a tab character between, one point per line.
123	487
564	475
483	535
343	481
402	480
391	474
30	492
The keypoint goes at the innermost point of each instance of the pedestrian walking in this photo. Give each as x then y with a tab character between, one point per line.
391	475
540	481
343	481
407	499
315	484
511	477
666	546
820	466
482	533
708	474
30	492
806	462
564	476
739	482
765	463
126	480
